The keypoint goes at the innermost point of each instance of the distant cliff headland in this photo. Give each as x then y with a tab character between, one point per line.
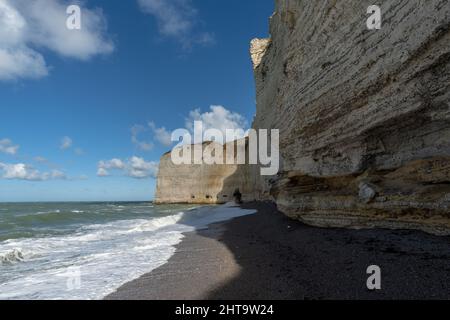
364	119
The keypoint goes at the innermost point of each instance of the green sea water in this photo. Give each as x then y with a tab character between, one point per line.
87	250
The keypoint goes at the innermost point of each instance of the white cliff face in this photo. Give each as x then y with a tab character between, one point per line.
343	96
258	48
364	117
204	184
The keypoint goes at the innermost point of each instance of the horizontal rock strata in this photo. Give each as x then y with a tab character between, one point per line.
364	118
364	115
206	184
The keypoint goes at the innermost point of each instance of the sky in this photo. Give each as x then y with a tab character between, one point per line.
87	113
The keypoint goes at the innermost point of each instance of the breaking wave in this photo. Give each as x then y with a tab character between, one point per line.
12	256
106	254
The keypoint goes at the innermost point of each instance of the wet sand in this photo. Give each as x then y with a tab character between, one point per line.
268	256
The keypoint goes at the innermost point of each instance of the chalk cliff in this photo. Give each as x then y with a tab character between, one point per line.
206	184
364	117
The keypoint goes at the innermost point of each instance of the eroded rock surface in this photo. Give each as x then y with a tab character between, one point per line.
364	118
364	115
206	184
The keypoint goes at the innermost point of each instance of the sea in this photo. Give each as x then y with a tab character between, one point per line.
86	251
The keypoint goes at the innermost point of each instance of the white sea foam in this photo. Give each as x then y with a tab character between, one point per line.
11	256
47	212
97	258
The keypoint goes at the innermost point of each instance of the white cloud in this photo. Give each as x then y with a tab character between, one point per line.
66	143
7	146
21	171
142	145
101	172
21	63
139	168
11	171
177	19
105	166
218	118
112	164
134	167
28	27
161	134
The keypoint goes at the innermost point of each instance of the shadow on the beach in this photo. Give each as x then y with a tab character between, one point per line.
280	258
284	259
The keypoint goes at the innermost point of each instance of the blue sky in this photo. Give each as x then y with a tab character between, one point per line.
86	118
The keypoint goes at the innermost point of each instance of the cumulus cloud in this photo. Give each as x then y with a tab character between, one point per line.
218	118
101	172
21	63
161	134
111	164
177	19
66	143
28	27
136	130
21	171
139	168
134	167
7	146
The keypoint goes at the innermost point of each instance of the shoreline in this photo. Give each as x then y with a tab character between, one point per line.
268	256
